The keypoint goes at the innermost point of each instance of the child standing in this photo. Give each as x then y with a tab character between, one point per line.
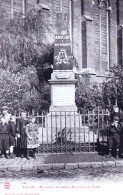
4	137
5	114
114	136
32	137
12	134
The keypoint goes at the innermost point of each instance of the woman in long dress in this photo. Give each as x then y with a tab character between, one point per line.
21	134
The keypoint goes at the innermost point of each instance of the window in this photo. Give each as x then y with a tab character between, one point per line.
100	31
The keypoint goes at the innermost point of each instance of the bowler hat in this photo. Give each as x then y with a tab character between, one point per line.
4	108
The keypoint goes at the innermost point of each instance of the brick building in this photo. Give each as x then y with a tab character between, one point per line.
95	29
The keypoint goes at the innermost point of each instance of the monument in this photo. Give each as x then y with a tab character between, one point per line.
63	78
65	128
63	110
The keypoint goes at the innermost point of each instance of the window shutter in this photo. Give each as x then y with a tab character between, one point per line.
17	6
100	33
6	4
104	39
65	6
96	34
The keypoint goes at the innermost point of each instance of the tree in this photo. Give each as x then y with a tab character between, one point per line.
113	87
26	56
88	93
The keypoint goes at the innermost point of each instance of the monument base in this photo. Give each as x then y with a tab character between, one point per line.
65	128
63	91
63	124
63	117
63	108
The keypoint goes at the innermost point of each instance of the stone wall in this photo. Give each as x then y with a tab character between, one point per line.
120	31
113	33
77	31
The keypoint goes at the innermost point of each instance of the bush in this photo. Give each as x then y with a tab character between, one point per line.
113	87
88	94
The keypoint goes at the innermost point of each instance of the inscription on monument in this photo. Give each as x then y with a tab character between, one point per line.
62	53
63	95
62	46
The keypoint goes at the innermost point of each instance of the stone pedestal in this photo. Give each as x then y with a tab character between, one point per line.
63	116
63	124
63	91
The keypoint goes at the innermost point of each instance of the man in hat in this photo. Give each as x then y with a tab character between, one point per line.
114	136
5	114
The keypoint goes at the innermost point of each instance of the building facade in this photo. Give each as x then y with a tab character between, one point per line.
95	29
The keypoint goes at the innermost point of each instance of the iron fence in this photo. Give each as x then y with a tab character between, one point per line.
61	132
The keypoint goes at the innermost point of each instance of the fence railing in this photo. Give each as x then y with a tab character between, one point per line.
72	132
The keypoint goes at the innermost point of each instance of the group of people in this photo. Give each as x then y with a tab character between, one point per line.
18	136
115	133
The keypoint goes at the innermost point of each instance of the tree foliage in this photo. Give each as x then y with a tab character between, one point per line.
106	94
26	56
88	94
113	87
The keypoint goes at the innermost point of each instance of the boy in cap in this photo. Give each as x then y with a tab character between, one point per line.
114	136
4	137
115	112
5	114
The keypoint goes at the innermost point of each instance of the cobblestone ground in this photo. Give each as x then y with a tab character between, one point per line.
62	169
76	176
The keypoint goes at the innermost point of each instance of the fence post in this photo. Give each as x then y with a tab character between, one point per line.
98	120
61	129
79	132
70	129
65	133
93	131
52	131
75	130
84	131
47	131
89	130
56	132
42	132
